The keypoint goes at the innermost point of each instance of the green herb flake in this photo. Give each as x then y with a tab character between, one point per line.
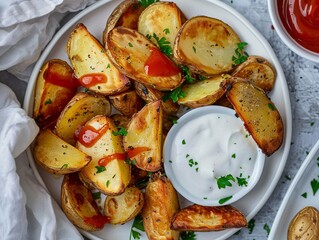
312	123
170	161
187	155
188	235
187	74
100	169
122	132
47	102
166	31
174	95
107	183
287	177
108	66
201	78
224	181
240	55
174	121
164	45
194	49
96	195
267	229
136	227
64	166
130	44
183	142
223	200
242	182
233	155
304	195
251	226
314	185
271	106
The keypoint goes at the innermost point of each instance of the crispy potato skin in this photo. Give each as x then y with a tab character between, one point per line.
260	116
122	208
81	108
127	103
203	219
50	99
305	225
206	45
57	156
161	203
143	142
130	51
258	71
79	206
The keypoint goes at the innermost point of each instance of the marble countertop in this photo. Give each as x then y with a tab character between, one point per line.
303	83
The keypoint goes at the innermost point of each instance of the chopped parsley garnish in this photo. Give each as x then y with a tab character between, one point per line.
251	225
312	123
166	31
234	155
194	49
107	183
122	132
174	121
96	195
189	235
108	65
174	95
183	142
267	229
137	225
187	155
47	102
142	183
242	182
201	78
163	45
223	200
146	3
100	169
170	161
314	185
240	55
130	44
187	74
304	195
271	106
287	177
224	181
64	166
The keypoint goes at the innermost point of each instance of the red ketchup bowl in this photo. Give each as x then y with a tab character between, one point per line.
297	24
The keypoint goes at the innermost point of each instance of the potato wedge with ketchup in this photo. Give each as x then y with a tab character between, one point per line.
79	206
108	170
54	89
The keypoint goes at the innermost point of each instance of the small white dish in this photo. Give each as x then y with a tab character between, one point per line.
208	143
285	36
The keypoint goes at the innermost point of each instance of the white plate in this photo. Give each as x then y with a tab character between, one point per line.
293	201
95	18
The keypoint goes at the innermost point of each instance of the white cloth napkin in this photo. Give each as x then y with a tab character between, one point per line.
26	27
27	210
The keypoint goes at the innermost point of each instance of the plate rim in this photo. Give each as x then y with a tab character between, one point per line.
280	74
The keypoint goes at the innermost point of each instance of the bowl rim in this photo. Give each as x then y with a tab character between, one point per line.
193	114
285	37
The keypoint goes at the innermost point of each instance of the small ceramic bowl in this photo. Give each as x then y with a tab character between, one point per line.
285	36
187	176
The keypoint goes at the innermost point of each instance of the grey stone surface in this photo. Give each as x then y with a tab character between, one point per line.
303	82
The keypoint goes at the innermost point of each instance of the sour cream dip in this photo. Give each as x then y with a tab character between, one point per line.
210	157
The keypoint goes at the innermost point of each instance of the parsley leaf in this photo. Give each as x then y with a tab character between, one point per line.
47	102
137	225
163	45
122	132
189	235
96	195
267	229
240	55
251	225
146	3
271	106
224	181
166	31
223	200
242	182
174	95
100	169
64	166
314	185
304	195
186	74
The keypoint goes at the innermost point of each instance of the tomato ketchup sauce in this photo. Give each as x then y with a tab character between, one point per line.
301	20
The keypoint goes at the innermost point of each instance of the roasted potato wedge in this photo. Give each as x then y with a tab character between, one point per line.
203	93
79	206
122	208
261	117
81	108
57	156
258	71
206	45
164	19
127	103
203	219
149	94
54	89
223	101
161	203
92	66
139	177
107	170
143	142
120	120
126	14
138	58
305	225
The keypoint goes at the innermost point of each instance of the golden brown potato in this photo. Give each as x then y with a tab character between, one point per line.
261	117
127	103
54	89
92	66
107	170
258	71
79	206
203	93
206	45
126	14
149	94
164	19
120	120
57	156
81	108
122	208
161	203
202	218
143	142
138	58
305	225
